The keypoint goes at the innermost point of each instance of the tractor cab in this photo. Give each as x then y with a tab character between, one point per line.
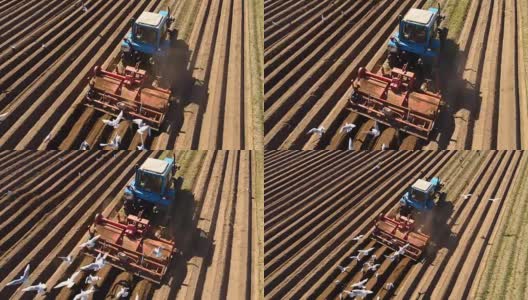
421	195
152	190
418	37
149	37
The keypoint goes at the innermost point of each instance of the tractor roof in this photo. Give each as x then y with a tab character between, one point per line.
422	185
418	16
155	165
150	19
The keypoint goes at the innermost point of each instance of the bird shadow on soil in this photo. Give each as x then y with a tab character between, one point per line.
457	94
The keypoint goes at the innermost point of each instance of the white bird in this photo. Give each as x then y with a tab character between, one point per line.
67	259
92	279
141	147
90	243
373	267
70	282
373	257
392	256
115	122
48	138
114	144
9	193
359	237
83	295
343	269
401	251
493	199
138	122
466	196
39	288
84	8
383	147
348	127
99	263
366	251
141	130
123	292
376	275
84	146
357	257
351	294
350	147
22	279
374	131
3	116
158	251
362	293
319	130
389	285
360	285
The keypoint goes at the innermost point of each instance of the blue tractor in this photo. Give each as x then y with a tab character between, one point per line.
152	191
149	39
421	196
417	44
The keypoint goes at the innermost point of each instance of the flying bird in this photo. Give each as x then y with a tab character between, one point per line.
342	269
493	199
357	257
22	279
158	251
141	147
67	259
48	138
373	267
366	251
92	279
348	127
360	285
350	147
83	295
466	196
39	288
319	130
70	282
115	122
138	122
90	243
389	285
114	144
3	117
84	146
359	237
374	131
99	263
383	147
362	293
123	292
145	128
401	250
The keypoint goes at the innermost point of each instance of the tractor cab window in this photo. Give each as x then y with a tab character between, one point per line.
414	33
146	35
418	195
149	182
